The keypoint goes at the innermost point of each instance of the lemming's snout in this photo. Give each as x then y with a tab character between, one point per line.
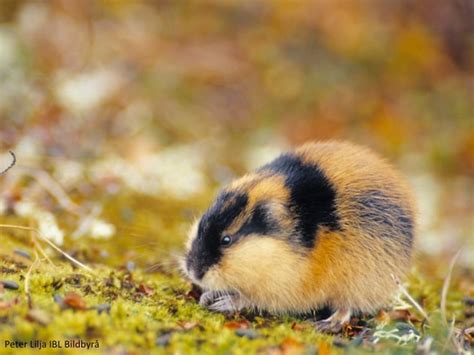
194	268
191	266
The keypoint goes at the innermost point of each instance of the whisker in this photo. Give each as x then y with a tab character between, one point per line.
167	264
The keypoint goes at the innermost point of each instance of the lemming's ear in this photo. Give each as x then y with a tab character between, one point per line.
279	212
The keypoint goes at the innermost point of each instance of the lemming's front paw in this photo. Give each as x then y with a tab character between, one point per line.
335	323
220	302
328	326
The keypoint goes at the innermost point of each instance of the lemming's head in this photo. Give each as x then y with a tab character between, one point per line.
245	228
259	228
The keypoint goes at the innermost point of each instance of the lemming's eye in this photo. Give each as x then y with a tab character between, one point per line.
226	240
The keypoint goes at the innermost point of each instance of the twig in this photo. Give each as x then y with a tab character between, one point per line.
451	335
86	222
411	299
51	244
42	252
54	188
13	162
424	347
40	248
447	281
27	280
458	342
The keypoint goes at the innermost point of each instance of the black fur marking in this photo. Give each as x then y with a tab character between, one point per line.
217	218
313	198
379	212
260	222
206	249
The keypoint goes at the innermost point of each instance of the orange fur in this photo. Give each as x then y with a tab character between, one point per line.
347	269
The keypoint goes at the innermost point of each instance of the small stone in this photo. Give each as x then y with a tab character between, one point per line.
130	266
340	343
10	285
163	340
22	253
58	299
405	328
247	333
104	307
469	301
359	339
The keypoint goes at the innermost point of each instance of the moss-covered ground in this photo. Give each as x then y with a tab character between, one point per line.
134	307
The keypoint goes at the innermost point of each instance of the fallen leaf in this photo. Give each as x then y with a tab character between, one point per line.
351	330
243	324
8	304
39	316
291	346
469	335
324	348
146	290
74	301
403	315
299	326
188	325
5	305
382	317
273	350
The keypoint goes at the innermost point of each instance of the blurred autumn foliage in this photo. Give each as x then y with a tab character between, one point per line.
397	75
231	82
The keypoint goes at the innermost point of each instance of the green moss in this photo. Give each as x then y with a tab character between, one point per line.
164	319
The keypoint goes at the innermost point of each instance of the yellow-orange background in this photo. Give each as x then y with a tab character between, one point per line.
171	99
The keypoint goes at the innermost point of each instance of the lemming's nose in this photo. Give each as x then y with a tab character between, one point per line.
194	268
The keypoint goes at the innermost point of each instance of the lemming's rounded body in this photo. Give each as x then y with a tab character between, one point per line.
327	224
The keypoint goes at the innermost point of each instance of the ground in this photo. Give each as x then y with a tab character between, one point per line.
137	308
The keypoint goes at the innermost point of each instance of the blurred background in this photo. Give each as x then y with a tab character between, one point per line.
126	116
